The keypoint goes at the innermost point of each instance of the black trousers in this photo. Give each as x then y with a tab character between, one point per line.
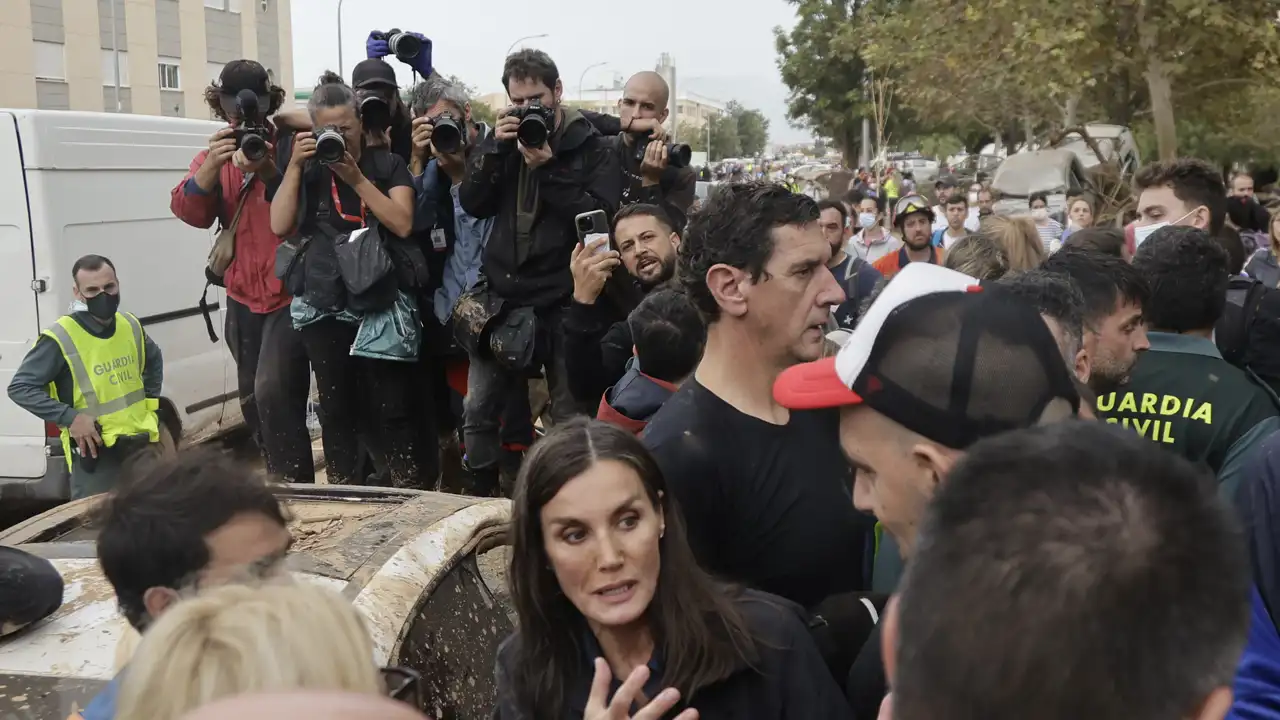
375	395
274	380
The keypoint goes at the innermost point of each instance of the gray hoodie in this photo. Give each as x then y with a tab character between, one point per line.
1264	268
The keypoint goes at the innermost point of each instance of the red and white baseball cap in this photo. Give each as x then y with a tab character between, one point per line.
942	357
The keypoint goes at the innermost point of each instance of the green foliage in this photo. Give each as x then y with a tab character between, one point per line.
752	128
479	111
693	136
725	141
826	86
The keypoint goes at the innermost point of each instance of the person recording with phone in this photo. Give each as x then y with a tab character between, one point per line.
227	185
333	185
654	170
543	166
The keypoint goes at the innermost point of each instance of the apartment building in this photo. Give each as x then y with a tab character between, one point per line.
137	56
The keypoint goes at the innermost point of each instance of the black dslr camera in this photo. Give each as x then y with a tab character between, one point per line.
536	122
403	45
331	146
375	111
251	136
446	134
678	154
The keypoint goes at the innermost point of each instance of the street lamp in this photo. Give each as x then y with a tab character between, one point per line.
340	70
584	75
517	42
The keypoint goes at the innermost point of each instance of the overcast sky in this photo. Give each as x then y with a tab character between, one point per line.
722	48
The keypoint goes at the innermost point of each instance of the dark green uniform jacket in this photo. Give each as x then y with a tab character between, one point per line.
1183	395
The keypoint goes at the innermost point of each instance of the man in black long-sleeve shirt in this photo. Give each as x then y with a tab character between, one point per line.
534	194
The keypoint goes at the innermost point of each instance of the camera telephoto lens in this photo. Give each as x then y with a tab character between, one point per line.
446	136
331	147
533	129
403	45
679	155
253	146
375	113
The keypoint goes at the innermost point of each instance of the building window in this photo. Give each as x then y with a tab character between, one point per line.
170	77
109	68
51	62
228	5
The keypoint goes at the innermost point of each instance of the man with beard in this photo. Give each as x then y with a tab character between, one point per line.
1243	208
1115	296
1182	393
598	340
914	220
856	277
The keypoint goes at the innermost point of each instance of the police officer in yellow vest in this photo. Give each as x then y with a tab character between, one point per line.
97	376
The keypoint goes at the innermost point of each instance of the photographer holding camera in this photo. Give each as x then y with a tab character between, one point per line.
655	172
444	135
543	166
333	183
226	185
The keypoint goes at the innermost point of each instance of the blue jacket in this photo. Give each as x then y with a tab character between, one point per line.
1257	685
450	230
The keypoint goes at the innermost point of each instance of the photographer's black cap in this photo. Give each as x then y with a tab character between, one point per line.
240	75
373	73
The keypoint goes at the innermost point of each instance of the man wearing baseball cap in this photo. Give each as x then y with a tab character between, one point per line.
936	364
913	218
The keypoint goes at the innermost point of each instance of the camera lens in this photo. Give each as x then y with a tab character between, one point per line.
446	136
331	147
679	155
375	113
253	146
404	46
533	130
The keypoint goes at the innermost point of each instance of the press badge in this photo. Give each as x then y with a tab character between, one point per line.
438	241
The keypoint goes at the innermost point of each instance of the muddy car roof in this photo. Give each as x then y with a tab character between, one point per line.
381	550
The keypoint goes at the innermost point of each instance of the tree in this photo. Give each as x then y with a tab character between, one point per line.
693	136
825	85
752	128
1034	66
725	141
479	111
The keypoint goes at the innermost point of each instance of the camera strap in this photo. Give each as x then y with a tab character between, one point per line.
337	204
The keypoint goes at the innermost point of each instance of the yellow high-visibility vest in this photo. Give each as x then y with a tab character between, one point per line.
106	375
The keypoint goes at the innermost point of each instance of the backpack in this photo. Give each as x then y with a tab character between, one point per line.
1231	334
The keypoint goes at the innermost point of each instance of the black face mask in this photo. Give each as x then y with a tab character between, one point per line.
103	306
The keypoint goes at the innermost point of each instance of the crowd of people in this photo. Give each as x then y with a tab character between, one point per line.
877	457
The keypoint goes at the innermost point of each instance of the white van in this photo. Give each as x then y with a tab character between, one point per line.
75	183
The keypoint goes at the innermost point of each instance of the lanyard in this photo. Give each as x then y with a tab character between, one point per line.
337	205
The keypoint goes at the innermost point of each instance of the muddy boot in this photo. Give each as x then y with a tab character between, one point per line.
509	469
479	482
451	472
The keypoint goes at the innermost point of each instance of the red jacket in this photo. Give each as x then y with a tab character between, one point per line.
251	278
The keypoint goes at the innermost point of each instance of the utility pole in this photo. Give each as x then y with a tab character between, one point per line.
341	73
115	55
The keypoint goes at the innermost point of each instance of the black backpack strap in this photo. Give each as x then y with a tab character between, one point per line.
207	311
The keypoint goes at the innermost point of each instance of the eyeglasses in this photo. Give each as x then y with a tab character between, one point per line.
403	684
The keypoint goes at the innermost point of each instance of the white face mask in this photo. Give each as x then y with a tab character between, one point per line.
1142	232
866	220
1039	214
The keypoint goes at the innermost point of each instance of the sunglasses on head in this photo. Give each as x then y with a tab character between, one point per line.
403	684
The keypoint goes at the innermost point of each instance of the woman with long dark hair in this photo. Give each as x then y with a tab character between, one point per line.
605	586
